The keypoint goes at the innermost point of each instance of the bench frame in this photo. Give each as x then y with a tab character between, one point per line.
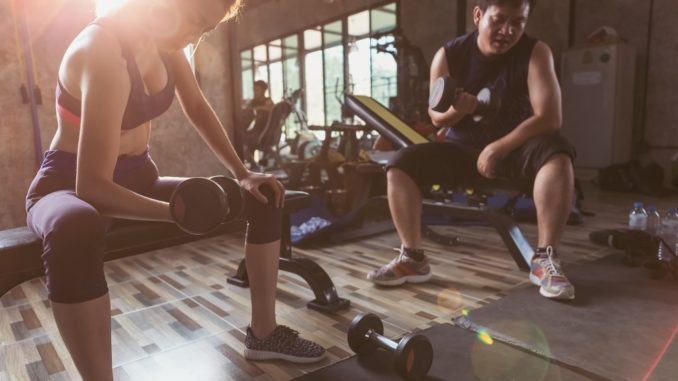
20	252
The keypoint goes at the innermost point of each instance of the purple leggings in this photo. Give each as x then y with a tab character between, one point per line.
72	231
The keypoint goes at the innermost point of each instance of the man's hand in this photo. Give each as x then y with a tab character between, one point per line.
489	158
465	103
254	180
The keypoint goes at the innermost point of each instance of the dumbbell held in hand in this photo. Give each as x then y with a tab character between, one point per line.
444	94
200	205
412	354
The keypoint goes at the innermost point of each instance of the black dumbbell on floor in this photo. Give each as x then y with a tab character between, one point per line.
412	354
199	205
443	94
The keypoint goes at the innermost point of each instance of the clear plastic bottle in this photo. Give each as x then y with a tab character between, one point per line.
638	217
653	221
669	234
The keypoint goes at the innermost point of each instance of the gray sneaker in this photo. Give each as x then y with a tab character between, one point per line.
400	270
283	344
547	273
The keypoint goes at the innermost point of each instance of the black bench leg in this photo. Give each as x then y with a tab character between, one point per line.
438	238
513	238
326	298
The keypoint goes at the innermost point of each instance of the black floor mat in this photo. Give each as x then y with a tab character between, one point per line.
621	326
459	354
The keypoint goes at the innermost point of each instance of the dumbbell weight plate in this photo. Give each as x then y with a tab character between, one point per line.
413	357
197	205
442	94
488	104
359	327
234	196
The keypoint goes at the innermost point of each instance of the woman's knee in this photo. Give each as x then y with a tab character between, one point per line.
73	248
265	219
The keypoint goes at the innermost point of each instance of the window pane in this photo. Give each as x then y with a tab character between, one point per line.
290	46
261	73
291	41
359	67
247	81
260	53
332	34
246	59
260	67
246	68
383	19
274	50
312	39
334	82
315	100
359	24
384	73
292	83
275	88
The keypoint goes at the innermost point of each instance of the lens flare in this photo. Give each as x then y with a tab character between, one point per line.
484	337
493	360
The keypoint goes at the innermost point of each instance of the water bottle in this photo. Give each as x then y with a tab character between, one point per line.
653	221
669	233
638	217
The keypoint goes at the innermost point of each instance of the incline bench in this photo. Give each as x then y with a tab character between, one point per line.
20	252
401	135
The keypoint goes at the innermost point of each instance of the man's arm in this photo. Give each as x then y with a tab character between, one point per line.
545	99
544	93
465	104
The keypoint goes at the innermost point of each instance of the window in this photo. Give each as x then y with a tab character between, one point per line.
333	55
247	74
327	59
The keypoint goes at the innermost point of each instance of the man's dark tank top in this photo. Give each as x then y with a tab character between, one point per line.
506	74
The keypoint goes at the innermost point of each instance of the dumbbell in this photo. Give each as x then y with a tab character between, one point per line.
199	205
412	354
444	93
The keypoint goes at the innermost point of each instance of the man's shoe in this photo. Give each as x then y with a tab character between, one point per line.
547	273
400	270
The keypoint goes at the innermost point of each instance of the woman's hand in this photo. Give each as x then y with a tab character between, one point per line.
253	180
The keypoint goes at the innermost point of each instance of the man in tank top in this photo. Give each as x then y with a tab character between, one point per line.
519	142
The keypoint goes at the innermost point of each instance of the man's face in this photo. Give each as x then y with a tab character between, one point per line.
259	92
500	27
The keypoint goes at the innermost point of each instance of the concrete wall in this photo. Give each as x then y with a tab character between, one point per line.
661	118
176	148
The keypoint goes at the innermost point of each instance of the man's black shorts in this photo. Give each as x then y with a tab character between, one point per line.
451	164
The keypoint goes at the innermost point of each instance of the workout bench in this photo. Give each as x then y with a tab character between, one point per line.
402	135
20	252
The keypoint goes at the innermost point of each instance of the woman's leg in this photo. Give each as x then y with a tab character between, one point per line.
73	237
262	249
261	260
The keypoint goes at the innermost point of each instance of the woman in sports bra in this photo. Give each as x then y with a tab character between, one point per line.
119	73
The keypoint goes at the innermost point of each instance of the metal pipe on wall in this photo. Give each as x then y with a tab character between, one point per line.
25	41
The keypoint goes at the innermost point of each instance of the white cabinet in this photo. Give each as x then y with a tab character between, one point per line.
597	86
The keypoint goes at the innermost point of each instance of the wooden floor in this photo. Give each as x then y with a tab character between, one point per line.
176	318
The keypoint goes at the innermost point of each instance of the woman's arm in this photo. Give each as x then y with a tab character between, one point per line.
206	123
202	116
105	87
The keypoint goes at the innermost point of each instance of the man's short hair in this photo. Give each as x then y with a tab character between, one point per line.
484	4
261	84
